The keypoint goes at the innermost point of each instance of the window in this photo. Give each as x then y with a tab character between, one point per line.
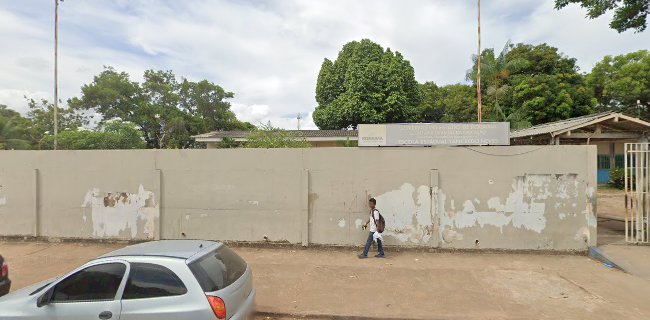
619	161
152	281
94	283
218	270
603	162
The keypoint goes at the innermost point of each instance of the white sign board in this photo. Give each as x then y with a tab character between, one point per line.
435	134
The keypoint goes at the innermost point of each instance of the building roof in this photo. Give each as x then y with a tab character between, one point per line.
182	249
614	121
218	135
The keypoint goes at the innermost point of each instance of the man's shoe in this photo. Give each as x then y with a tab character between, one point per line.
380	256
362	256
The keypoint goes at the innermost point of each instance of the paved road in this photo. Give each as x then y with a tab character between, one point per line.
317	283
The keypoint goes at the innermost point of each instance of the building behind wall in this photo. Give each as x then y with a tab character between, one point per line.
317	138
609	131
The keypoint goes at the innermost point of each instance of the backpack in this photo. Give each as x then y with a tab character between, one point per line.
381	224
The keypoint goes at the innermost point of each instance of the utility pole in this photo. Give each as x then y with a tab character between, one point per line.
56	71
299	117
478	79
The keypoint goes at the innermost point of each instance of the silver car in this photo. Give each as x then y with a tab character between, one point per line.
170	279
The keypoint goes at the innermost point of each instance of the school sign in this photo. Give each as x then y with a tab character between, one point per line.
434	134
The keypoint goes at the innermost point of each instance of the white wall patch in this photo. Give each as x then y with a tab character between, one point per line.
115	213
407	211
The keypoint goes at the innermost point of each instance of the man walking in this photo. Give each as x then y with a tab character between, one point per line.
375	233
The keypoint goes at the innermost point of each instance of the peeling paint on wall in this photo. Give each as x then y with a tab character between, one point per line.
341	223
115	214
3	198
407	211
524	208
358	223
589	210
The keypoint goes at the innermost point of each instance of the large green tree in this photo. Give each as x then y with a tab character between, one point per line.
451	103
628	14
532	84
622	83
365	84
167	110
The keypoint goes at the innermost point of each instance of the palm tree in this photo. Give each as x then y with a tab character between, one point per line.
495	70
518	118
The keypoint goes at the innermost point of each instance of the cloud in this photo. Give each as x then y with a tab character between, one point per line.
252	113
261	115
269	52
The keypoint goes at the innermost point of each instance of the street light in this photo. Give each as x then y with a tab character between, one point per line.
56	73
478	76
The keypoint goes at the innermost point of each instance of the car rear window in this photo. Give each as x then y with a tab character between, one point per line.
218	269
148	280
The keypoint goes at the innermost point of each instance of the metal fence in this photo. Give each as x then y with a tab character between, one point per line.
637	188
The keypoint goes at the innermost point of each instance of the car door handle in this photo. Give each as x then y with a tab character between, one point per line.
105	315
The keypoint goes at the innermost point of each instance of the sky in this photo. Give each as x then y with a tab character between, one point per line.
269	53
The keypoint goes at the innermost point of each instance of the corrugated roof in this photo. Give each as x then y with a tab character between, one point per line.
305	133
551	127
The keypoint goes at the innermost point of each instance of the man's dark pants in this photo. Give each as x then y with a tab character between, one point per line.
369	243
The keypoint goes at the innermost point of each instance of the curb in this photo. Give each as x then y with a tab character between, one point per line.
314	247
598	255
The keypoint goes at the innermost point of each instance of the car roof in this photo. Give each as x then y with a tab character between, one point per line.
182	249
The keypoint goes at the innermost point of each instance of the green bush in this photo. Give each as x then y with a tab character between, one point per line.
617	178
267	136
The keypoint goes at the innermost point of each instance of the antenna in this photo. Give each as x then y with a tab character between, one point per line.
299	117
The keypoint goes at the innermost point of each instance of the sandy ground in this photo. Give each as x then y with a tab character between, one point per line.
323	283
611	203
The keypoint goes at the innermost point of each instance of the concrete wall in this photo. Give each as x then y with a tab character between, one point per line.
523	197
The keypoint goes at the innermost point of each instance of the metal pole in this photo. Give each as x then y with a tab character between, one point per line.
56	69
627	211
478	80
646	207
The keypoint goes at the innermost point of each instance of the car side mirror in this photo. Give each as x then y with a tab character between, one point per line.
45	299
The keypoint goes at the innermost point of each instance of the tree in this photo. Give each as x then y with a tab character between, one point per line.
14	130
619	82
452	103
533	84
495	70
518	118
539	59
365	84
124	135
628	14
228	143
117	135
267	136
41	115
166	110
548	98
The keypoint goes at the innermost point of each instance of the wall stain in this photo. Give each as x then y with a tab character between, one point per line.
121	214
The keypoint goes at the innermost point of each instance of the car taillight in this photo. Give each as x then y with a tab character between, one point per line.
218	307
5	269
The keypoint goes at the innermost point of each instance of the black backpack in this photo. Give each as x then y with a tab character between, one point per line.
382	223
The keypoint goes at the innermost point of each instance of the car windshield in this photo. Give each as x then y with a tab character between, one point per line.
218	269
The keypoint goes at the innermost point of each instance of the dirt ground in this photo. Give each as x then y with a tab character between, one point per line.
334	283
611	203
